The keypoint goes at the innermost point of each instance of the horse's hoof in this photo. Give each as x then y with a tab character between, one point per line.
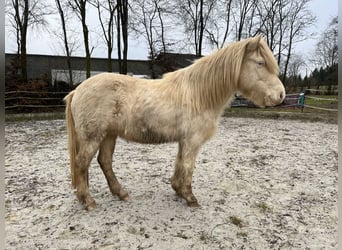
81	198
193	204
124	197
91	206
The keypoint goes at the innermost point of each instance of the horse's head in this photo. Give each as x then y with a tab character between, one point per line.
258	80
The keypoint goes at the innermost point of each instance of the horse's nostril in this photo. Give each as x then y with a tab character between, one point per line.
281	95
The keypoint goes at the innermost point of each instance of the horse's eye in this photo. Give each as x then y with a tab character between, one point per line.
261	63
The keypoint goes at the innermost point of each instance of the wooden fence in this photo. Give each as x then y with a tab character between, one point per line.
33	101
40	102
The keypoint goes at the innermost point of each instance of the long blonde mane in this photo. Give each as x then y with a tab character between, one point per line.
211	80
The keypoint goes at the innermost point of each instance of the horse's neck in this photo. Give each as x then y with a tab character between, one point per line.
214	89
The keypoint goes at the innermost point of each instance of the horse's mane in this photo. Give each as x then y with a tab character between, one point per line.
213	79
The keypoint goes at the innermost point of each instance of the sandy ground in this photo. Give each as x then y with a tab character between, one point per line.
262	184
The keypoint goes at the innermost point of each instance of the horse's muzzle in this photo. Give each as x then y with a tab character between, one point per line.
275	99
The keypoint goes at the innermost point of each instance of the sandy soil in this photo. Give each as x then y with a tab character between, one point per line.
262	184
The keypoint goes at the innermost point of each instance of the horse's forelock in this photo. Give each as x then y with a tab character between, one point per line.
267	54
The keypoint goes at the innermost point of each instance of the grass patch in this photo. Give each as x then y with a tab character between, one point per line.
34	117
309	115
293	113
236	221
204	237
318	101
263	206
242	234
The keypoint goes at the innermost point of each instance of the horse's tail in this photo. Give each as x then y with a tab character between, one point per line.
72	143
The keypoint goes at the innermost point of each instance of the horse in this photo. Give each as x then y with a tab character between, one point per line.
182	107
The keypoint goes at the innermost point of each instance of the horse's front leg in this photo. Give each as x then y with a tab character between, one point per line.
182	177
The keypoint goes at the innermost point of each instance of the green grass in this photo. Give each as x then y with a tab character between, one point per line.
292	113
329	104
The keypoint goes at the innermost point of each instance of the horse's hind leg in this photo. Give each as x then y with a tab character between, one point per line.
182	178
83	159
105	160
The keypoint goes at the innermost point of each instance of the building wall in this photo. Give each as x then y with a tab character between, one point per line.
39	66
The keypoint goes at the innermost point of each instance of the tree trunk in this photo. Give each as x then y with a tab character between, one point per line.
122	28
200	40
86	38
22	23
288	56
66	45
118	37
23	58
124	24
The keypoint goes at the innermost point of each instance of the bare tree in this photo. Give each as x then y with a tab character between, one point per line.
327	49
195	15
24	14
273	15
122	29
106	13
294	79
282	16
299	18
161	11
149	24
269	22
244	17
221	12
283	22
65	40
295	65
79	8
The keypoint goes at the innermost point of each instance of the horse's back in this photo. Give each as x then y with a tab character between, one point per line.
100	101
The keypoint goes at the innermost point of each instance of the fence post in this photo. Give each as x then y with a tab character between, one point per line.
301	100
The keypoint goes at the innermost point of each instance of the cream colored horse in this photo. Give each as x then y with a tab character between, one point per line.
184	106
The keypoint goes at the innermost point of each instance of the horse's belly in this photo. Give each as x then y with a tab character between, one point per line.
148	136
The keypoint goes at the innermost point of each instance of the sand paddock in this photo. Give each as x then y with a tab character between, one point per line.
261	184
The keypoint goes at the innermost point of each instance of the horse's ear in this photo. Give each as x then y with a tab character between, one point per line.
253	43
